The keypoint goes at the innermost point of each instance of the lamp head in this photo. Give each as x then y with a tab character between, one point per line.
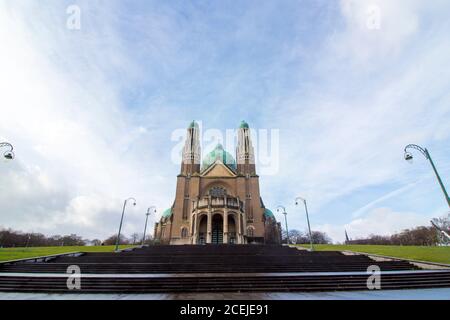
9	155
283	208
298	199
408	157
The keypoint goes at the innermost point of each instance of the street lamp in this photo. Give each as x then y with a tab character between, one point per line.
146	219
28	240
121	220
285	220
9	155
307	219
426	154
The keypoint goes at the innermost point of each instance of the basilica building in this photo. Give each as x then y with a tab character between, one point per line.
218	201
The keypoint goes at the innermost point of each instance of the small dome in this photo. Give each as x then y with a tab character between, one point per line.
167	213
269	214
193	124
244	125
222	155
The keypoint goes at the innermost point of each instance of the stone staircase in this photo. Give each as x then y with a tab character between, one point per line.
215	268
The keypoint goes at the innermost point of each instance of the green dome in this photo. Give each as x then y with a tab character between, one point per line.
243	125
222	155
193	124
268	213
167	213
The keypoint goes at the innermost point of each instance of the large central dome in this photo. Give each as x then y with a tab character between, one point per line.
219	154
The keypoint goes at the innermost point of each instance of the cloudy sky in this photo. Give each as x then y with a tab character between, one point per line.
94	113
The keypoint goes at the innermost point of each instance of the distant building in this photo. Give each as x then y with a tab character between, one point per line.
219	201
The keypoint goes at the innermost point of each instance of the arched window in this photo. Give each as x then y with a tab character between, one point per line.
184	232
217	192
250	232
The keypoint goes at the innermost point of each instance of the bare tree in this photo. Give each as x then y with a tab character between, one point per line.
96	242
319	237
135	238
12	238
112	240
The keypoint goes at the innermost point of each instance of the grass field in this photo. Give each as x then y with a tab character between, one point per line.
20	253
432	254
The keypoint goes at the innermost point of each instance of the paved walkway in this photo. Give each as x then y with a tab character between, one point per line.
419	294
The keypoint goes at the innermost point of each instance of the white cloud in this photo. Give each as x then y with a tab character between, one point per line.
70	132
366	39
375	94
385	197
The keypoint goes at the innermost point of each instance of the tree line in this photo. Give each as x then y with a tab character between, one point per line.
13	238
419	236
296	236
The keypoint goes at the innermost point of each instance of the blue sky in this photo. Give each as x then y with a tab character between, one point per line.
91	112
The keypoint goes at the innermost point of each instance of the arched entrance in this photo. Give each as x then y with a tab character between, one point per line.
202	229
217	229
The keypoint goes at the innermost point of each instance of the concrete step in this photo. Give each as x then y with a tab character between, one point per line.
226	284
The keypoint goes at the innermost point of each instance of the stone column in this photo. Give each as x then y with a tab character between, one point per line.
225	225
191	226
244	227
209	227
195	222
238	231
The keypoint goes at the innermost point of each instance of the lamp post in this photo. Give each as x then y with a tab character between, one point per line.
146	220
285	220
8	154
121	220
28	240
307	219
426	154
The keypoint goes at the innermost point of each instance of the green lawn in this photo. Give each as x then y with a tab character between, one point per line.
432	254
20	253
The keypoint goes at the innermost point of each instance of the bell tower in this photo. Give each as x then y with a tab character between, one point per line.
246	170
191	152
245	154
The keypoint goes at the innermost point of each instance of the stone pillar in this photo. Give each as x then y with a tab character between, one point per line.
191	226
195	222
225	225
209	227
238	231
158	231
244	227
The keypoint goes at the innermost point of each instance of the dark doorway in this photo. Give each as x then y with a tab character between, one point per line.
217	229
202	229
231	229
